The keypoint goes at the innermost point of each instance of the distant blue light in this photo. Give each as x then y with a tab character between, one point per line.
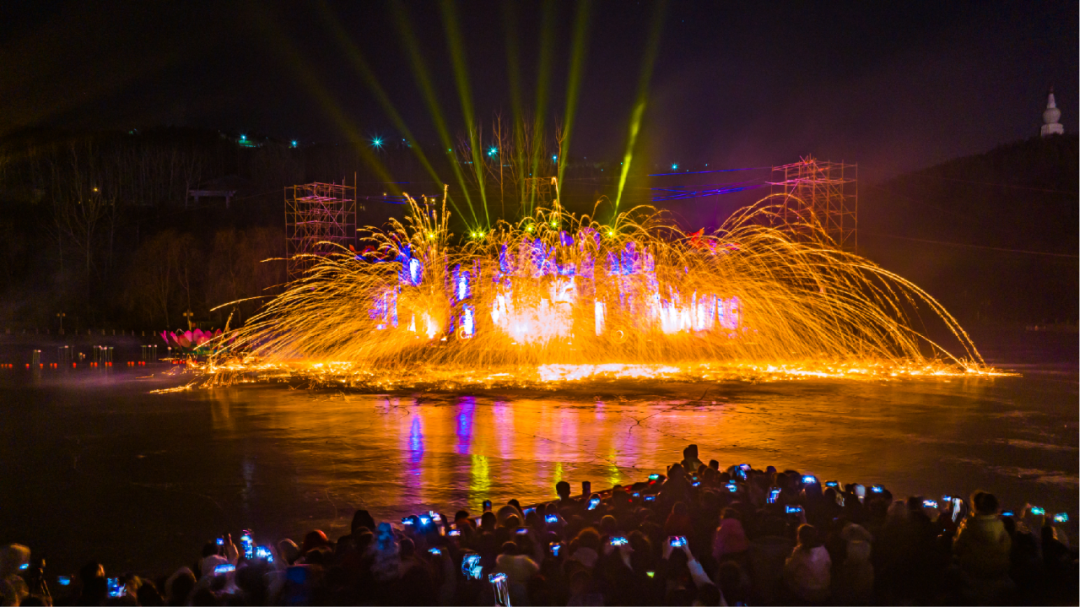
462	288
243	137
505	265
678	193
674	166
416	441
385	310
493	151
543	259
465	422
630	263
468	322
376	142
415	270
554	158
294	143
613	268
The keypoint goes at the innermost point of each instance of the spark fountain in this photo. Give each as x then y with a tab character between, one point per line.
558	297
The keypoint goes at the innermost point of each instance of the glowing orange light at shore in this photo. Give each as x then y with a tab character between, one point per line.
523	304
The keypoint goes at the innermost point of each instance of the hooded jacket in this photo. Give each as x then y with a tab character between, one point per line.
854	581
982	546
730	539
807	573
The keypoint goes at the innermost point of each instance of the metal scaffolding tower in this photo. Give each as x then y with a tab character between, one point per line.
317	213
821	191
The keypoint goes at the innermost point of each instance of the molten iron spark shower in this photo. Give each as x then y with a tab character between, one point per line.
558	297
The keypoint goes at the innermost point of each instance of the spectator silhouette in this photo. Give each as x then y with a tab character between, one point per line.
982	545
729	541
178	587
767	555
807	572
690	461
853	583
13	588
675	487
746	543
983	548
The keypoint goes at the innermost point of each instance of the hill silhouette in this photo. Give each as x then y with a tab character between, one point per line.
992	236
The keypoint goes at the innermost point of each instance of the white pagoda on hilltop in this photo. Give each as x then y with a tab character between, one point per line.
1051	115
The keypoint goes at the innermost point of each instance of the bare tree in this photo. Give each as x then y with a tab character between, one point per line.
522	157
81	210
241	268
160	280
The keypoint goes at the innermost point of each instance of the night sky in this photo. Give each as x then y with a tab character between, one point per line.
893	86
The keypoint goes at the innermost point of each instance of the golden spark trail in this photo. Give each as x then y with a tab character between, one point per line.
557	298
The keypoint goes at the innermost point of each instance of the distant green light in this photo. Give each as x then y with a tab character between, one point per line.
243	137
493	151
294	143
376	142
675	166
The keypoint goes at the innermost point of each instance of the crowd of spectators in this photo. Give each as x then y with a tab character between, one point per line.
699	535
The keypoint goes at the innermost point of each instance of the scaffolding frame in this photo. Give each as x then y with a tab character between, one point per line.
316	214
824	192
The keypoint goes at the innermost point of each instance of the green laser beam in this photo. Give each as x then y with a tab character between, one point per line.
357	59
307	76
577	68
514	73
423	80
547	37
651	48
456	47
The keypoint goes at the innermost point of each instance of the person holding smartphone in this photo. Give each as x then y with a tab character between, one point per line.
519	568
211	557
808	571
677	543
730	539
14	558
946	521
982	544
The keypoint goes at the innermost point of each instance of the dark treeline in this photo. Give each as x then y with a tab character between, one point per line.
992	236
102	227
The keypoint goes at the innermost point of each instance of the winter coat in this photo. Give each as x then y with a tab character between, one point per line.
730	539
807	573
982	547
766	557
854	581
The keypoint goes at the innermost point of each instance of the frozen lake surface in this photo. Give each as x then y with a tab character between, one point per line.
96	467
